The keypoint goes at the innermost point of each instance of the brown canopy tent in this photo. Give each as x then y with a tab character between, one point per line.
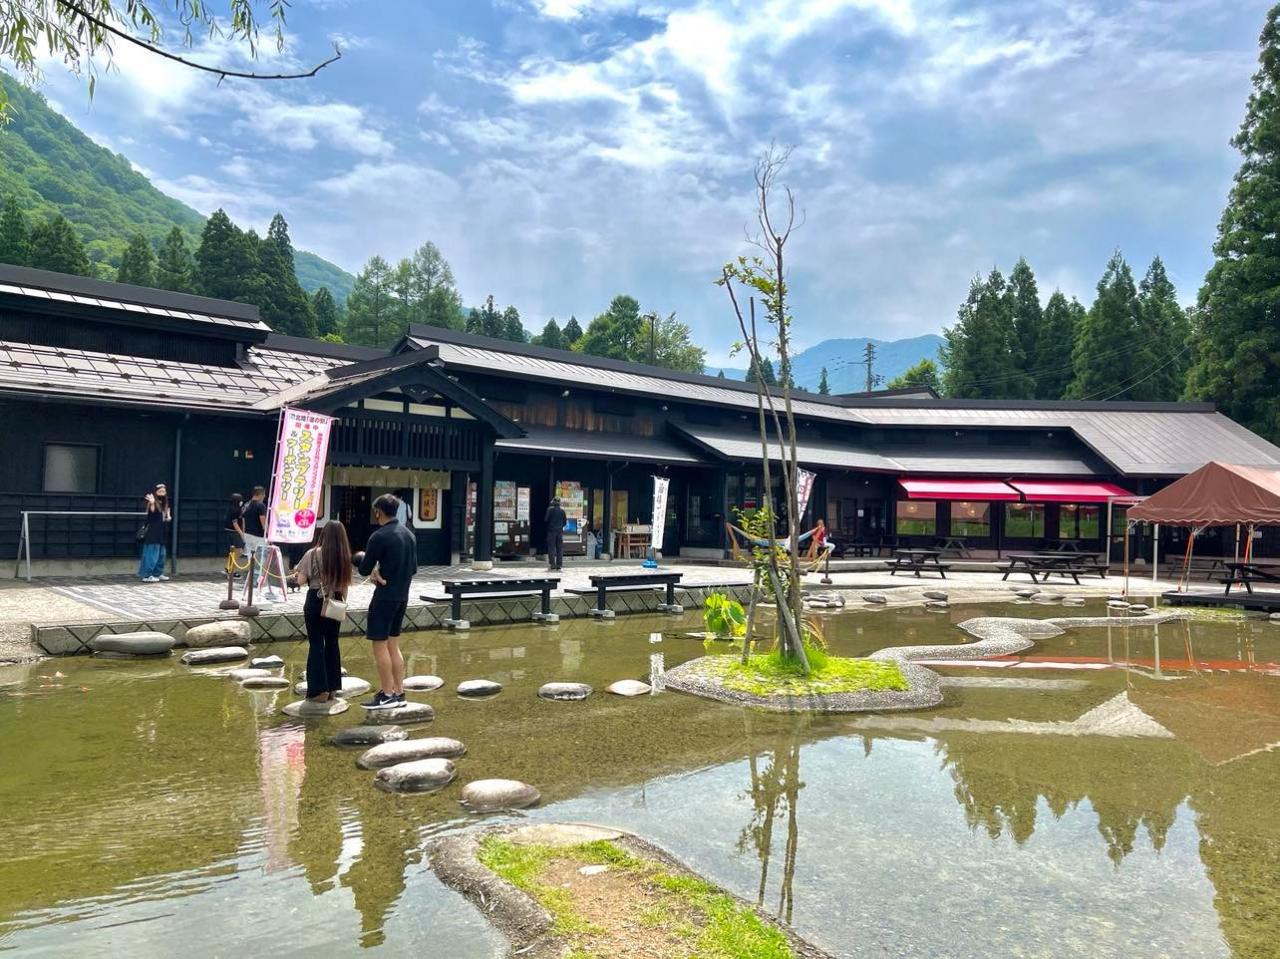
1217	494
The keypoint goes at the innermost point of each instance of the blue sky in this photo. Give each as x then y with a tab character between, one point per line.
562	151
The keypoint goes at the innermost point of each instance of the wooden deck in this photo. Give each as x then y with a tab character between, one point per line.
1239	598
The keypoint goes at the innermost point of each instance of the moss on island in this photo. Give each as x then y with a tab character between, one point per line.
767	674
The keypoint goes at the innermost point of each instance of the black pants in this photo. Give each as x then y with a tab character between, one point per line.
555	548
324	660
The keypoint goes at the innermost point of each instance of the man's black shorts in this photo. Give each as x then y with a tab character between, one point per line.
385	619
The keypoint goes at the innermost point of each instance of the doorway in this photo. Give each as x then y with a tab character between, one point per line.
353	505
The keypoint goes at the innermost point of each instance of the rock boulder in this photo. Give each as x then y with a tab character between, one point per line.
214	654
224	632
422	684
351	686
408	713
492	795
938	594
368	735
135	644
409	750
266	662
269	681
420	776
876	599
306	708
479	687
630	687
564	692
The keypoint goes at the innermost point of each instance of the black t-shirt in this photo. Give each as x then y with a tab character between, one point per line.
556	519
394	550
255	513
233	517
154	535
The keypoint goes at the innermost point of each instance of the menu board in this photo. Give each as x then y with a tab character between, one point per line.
573	500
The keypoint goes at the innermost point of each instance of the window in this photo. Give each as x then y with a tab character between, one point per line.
917	517
971	519
70	469
1024	520
1079	521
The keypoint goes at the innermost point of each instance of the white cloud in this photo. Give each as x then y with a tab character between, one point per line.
305	126
238	167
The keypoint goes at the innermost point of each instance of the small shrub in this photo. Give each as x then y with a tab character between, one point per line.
724	617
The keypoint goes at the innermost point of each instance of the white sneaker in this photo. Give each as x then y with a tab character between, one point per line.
150	579
164	579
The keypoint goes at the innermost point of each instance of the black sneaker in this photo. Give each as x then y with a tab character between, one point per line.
381	701
400	699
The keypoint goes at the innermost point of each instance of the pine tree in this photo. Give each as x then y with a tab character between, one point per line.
1164	337
325	309
572	332
486	321
824	388
372	312
512	328
1106	360
137	265
766	373
720	375
55	246
1051	365
551	336
982	356
435	297
1238	350
284	304
175	265
674	348
226	262
616	333
1027	320
15	235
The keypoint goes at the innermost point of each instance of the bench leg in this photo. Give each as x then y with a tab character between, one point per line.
601	604
671	606
546	616
455	620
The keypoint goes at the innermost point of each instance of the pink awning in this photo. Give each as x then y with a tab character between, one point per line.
1067	491
961	489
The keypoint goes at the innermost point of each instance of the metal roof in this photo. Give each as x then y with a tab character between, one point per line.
737	444
580	444
991	461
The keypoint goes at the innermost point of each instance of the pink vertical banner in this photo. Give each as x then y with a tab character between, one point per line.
298	480
804	489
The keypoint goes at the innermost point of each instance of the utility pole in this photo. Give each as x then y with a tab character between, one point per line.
869	358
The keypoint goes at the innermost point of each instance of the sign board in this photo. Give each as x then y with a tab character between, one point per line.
804	489
298	480
660	484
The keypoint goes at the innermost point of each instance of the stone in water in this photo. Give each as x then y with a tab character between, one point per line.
351	686
148	643
408	750
216	654
564	692
224	632
408	713
240	675
305	708
422	684
421	776
878	599
479	687
266	662
630	687
937	594
269	681
368	735
491	795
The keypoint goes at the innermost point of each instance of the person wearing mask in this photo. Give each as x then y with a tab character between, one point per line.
155	534
325	570
390	561
555	520
253	524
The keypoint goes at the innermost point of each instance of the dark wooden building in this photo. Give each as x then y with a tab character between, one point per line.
107	389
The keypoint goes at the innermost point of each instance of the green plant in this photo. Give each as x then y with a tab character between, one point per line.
724	617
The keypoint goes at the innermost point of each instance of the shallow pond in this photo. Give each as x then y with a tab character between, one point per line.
153	809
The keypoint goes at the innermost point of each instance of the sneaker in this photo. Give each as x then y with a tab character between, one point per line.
150	579
400	699
162	578
381	701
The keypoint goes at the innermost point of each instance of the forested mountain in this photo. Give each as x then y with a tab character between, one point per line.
49	166
843	361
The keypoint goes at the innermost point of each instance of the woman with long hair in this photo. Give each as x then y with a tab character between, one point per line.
154	534
326	572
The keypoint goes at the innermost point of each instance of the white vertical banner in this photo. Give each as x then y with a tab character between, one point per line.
804	489
660	484
298	481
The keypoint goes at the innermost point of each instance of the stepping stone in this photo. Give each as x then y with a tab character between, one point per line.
149	643
478	687
408	713
266	662
110	654
368	735
492	795
1274	617
630	687
1073	601
351	686
938	594
934	606
225	632
304	708
1025	591
879	599
409	750
1117	604
421	776
422	684
269	681
1138	607
248	672
564	692
216	654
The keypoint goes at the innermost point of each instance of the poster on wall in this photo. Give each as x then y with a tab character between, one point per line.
804	489
298	479
429	516
660	484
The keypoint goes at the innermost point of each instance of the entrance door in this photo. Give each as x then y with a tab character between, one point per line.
355	509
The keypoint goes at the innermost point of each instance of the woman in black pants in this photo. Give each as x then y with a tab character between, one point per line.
326	572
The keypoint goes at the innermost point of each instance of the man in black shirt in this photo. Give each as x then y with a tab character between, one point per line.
254	522
555	520
390	561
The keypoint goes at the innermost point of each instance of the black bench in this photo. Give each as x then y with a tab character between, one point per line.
917	561
600	585
456	589
1246	574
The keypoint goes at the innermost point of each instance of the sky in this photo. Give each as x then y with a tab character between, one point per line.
560	152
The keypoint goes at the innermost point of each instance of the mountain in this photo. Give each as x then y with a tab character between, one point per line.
843	360
50	166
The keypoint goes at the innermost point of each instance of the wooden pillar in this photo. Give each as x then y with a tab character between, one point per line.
606	521
484	507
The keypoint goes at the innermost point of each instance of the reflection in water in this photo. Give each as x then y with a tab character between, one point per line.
281	767
775	781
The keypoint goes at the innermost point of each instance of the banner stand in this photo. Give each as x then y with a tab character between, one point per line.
658	525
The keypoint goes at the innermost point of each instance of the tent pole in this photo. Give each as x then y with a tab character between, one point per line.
1126	558
1155	552
1186	561
1107	538
1236	557
1248	543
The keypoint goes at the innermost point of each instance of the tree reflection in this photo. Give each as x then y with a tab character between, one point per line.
775	789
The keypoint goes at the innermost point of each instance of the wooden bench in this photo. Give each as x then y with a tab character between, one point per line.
1211	566
1247	574
917	561
456	589
623	582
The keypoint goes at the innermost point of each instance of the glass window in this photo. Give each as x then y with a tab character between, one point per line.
1024	520
70	469
1079	521
970	519
917	517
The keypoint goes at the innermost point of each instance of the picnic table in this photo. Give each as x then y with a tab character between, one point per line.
1246	573
918	560
1048	562
1209	565
854	547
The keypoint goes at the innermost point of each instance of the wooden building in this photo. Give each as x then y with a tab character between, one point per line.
107	389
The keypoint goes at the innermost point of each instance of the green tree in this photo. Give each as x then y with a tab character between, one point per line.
551	336
15	236
924	373
434	295
226	262
674	348
137	266
615	333
1106	355
1027	321
982	355
55	246
486	321
284	305
1051	364
327	313
373	316
1164	337
175	264
824	388
512	328
766	372
720	375
1237	363
572	332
